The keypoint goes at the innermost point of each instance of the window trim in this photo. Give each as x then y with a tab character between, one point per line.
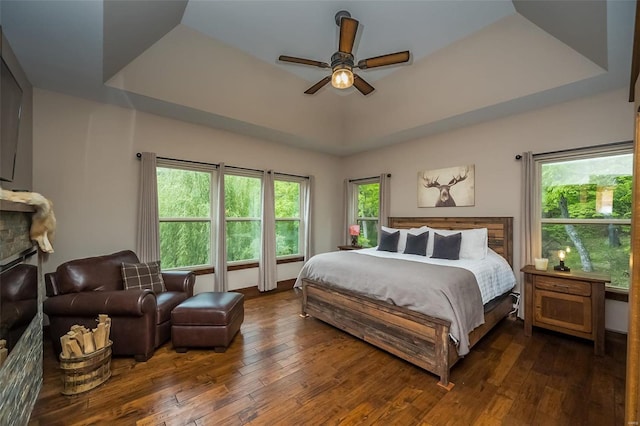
300	219
247	174
200	168
623	148
356	219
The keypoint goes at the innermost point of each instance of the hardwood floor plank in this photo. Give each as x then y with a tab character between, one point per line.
508	359
285	370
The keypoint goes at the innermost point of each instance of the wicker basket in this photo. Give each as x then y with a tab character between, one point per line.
84	373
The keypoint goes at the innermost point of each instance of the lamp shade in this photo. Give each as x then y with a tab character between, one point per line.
342	78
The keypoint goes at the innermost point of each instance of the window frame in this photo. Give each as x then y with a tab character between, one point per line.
299	219
356	183
624	148
212	171
237	264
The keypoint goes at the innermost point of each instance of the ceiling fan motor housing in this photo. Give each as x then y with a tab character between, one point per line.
340	60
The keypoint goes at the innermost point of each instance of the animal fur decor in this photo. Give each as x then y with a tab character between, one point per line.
43	221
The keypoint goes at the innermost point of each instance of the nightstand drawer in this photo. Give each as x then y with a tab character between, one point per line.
566	311
562	285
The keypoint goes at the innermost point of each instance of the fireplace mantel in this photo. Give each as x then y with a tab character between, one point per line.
10	206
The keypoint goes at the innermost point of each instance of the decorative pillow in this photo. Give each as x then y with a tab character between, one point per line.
389	241
474	245
446	247
417	244
143	275
402	241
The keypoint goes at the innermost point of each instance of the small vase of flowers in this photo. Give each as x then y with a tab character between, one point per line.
354	231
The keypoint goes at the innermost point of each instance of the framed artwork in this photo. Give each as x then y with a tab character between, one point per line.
450	187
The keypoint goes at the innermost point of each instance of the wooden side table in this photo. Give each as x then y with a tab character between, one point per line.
566	302
349	247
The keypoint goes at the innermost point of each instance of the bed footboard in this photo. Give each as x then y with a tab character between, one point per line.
420	339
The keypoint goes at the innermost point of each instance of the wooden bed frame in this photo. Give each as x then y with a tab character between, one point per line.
418	338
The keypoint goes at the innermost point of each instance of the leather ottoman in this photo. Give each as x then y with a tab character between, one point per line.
207	320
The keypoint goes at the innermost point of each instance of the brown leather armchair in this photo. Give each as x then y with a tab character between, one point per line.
18	301
81	289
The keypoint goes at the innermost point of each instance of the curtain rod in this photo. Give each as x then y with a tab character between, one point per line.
139	156
367	178
562	151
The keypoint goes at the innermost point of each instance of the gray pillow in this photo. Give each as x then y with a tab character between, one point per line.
446	247
389	241
417	244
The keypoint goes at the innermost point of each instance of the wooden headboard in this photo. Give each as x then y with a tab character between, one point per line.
499	229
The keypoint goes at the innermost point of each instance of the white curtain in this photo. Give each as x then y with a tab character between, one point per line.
148	242
306	192
385	200
349	211
220	282
267	276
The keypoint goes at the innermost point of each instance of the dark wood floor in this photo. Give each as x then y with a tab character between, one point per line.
282	369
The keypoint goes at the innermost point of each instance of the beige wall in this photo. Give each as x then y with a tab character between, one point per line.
84	160
492	147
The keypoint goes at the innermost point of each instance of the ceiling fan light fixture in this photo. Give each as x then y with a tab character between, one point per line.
342	78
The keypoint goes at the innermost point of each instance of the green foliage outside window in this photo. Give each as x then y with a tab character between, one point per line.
368	209
184	244
242	203
184	196
287	209
589	189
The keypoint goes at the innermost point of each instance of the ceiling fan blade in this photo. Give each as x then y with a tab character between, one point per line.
364	87
348	29
313	89
381	61
303	61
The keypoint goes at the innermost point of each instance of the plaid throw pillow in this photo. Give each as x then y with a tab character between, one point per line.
143	275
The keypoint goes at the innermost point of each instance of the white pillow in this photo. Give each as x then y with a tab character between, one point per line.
474	245
402	241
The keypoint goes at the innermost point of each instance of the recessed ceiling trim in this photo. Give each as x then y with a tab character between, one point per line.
131	27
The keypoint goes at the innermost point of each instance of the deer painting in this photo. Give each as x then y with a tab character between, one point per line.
431	180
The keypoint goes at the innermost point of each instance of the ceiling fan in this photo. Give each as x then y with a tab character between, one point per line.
342	62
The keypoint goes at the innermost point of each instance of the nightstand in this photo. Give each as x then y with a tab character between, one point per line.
566	302
349	247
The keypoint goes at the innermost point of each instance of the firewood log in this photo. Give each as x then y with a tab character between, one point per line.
98	336
89	345
73	346
64	342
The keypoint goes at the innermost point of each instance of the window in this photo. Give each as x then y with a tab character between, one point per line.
184	207
368	208
188	213
242	202
586	211
287	209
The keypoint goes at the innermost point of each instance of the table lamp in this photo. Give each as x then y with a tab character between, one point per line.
561	266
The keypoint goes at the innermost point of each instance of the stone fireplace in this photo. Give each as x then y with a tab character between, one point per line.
21	374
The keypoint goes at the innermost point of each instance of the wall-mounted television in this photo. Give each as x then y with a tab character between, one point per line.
10	111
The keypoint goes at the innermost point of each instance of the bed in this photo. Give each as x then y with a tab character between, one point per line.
422	339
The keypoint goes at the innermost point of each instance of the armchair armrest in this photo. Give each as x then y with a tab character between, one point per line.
113	303
182	281
19	283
